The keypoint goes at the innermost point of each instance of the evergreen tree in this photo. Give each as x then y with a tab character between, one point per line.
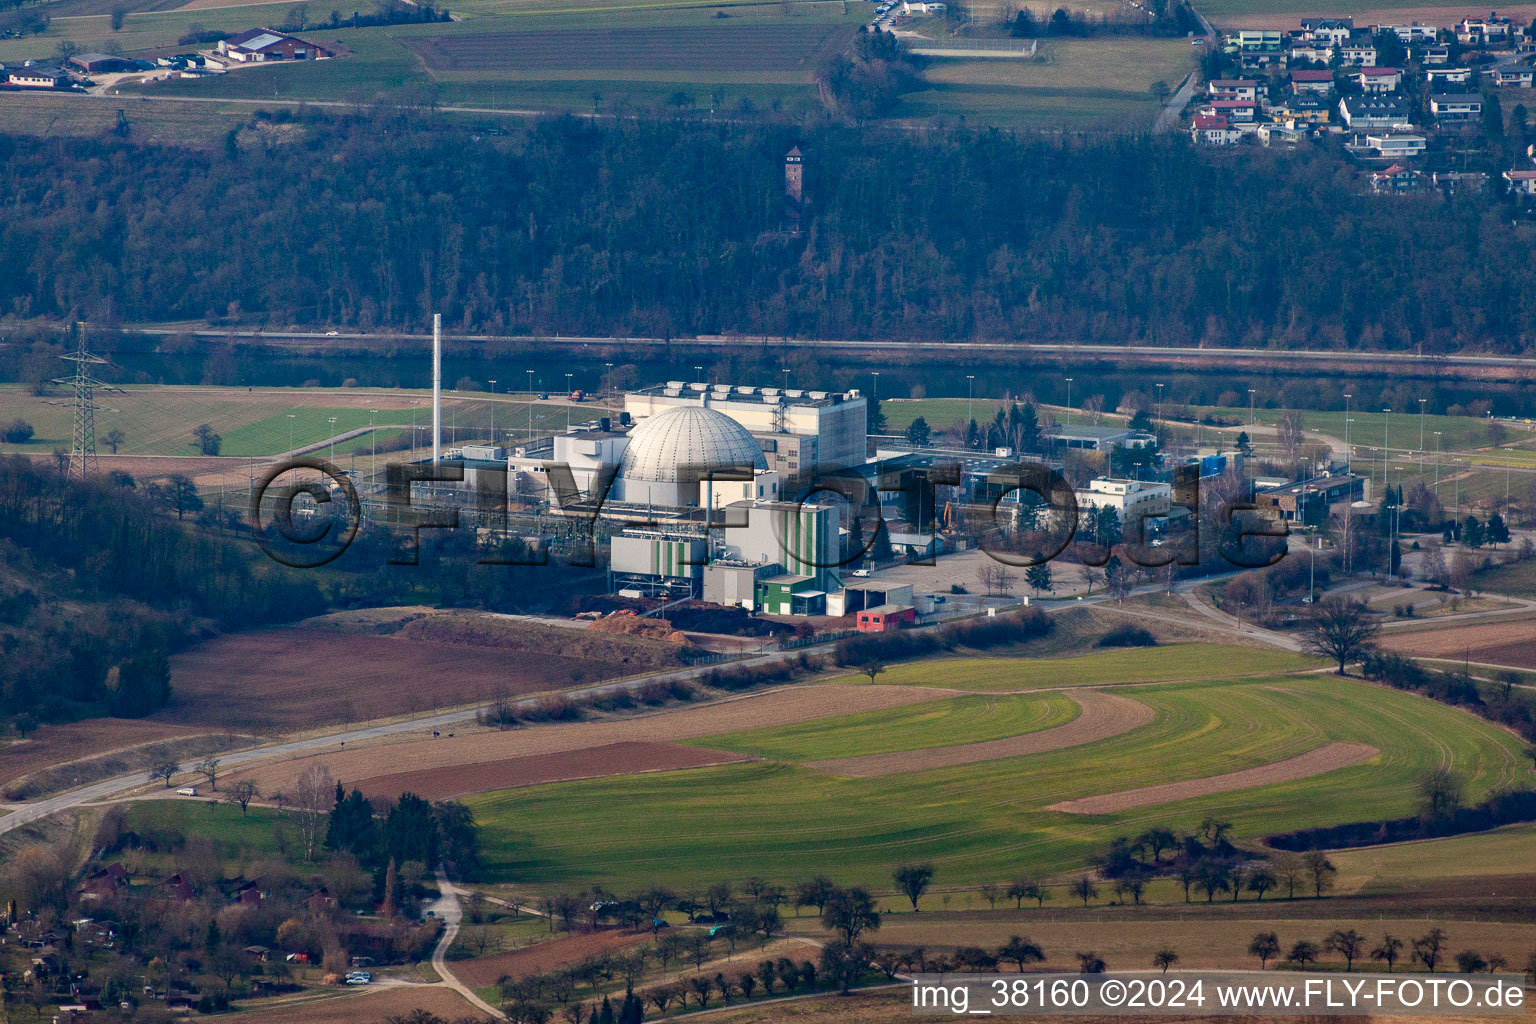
1473	534
391	901
1039	577
918	432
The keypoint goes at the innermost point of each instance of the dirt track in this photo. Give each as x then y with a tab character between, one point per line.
474	746
1104	715
562	766
1327	758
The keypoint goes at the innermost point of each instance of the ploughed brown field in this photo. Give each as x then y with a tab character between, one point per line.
543	957
340	669
560	766
354	1007
59	744
1505	643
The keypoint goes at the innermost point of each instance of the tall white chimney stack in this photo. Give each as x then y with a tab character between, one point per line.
437	388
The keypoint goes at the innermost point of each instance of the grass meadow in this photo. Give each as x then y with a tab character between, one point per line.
160	421
1129	665
964	720
984	821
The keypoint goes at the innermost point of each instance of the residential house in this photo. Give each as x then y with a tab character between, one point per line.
1307	109
320	901
1311	53
1440	78
1333	31
1358	53
39	76
1456	107
1318	83
1490	31
1435	55
1233	89
1376	80
1411	33
104	882
1259	40
1374	112
249	893
1396	146
1233	110
263	44
1512	77
1521	182
178	889
1452	182
1271	134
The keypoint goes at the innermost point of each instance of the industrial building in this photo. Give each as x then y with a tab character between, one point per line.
783	420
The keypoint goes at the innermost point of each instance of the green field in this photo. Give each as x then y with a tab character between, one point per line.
1398	429
1129	665
160	420
1505	851
1078	83
250	836
942	723
1518	579
985	821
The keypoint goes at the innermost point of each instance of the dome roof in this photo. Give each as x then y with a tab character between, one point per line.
682	444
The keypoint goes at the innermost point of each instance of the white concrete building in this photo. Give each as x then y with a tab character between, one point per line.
836	419
1133	499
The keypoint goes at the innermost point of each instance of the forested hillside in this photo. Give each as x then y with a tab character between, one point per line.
670	228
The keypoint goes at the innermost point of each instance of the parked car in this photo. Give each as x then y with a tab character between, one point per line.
359	978
187	791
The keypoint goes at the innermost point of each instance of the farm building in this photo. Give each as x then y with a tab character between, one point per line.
885	618
100	63
263	44
39	76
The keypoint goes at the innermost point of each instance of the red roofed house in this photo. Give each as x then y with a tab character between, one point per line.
1396	179
104	882
178	888
1379	79
1214	130
1521	182
1318	82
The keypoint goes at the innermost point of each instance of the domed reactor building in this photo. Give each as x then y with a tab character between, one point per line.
680	449
670	457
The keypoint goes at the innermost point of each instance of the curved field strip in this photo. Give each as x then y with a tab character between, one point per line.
1327	758
987	820
473	746
537	769
1103	716
920	726
1102	668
